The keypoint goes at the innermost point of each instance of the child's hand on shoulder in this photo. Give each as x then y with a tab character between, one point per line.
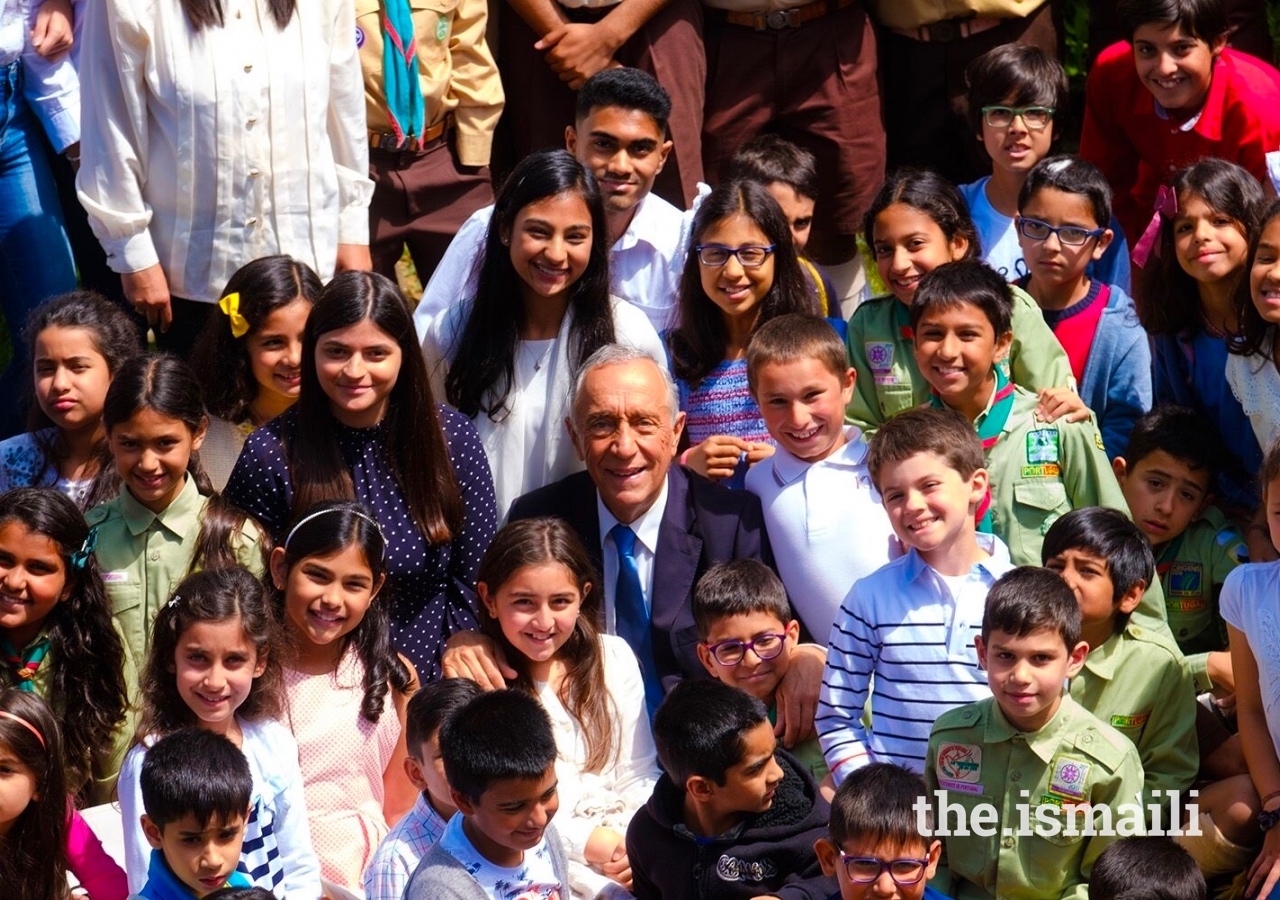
1061	403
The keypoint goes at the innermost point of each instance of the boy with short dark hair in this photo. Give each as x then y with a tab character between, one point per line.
500	760
879	843
800	378
746	636
1133	678
392	864
1146	868
1042	761
196	790
904	634
734	816
1172	94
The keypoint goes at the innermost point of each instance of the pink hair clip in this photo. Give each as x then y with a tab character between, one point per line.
1166	207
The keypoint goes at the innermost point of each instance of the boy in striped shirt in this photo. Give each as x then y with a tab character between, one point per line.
911	623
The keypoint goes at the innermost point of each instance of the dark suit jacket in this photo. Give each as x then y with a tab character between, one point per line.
704	524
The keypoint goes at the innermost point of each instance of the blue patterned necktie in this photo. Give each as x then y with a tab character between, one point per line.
631	616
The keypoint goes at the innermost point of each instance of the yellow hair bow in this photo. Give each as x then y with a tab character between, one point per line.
230	305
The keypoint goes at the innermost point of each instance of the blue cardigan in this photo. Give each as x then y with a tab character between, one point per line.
1117	374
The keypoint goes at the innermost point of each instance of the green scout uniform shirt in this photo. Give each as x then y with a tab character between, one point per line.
143	555
1192	568
807	753
104	775
977	757
1138	683
889	381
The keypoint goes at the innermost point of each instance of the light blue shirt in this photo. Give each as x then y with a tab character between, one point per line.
387	875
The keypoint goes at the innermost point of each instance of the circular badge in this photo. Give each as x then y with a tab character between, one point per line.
359	37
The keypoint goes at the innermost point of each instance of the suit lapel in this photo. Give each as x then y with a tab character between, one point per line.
675	564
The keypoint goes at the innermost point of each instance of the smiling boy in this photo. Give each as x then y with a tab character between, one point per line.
1175	93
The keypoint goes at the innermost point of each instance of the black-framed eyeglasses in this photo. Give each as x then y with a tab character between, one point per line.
733	651
718	255
867	869
1036	118
1068	235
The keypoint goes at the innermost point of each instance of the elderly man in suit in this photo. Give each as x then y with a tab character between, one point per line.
653	529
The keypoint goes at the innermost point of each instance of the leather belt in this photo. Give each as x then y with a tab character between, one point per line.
949	30
435	134
782	19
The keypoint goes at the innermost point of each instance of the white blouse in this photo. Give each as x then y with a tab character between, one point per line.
1255	382
204	150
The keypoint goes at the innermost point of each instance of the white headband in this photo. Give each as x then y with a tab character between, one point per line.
338	509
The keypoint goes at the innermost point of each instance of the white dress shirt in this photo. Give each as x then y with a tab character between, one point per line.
205	149
646	528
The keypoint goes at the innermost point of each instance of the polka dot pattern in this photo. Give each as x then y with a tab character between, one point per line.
430	587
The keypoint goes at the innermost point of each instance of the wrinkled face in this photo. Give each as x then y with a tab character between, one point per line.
758	677
215	665
202	857
511	816
550	243
1264	275
749	785
1053	263
803	402
357	368
1027	674
325	597
735	289
623	429
797	208
1210	244
275	354
908	245
18	787
1016	147
33	580
537	608
1174	66
957	349
929	503
72	377
624	148
152	452
1164	494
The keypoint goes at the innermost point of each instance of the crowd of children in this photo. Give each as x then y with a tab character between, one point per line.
978	563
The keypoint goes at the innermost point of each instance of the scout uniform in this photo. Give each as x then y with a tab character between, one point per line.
881	349
1192	568
1138	683
976	757
142	556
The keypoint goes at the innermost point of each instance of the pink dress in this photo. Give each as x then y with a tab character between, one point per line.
343	756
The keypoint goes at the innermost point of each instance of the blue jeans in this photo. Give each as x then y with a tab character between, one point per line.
35	255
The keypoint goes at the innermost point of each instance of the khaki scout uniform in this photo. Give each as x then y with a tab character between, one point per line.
143	555
976	757
1139	684
889	382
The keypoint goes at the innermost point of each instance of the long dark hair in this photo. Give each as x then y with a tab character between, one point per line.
216	595
928	192
33	855
328	528
1169	299
483	367
219	358
1254	331
167	385
533	542
86	656
202	14
412	438
698	343
116	340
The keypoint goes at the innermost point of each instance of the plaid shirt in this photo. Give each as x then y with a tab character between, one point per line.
387	875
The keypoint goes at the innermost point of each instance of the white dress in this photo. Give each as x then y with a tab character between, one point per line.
1256	384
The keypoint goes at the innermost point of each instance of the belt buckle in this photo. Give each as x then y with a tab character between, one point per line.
391	144
779	19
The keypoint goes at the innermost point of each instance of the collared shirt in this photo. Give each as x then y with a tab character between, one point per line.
388	872
881	349
647	528
51	88
645	264
823	547
143	555
913	14
202	150
455	68
162	884
977	757
905	637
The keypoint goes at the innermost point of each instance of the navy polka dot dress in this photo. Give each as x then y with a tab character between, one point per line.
430	588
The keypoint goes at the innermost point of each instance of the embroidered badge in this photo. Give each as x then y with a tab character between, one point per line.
1045	470
359	37
879	355
1042	446
959	767
1186	579
1185	605
730	868
115	577
1137	720
442	28
1070	778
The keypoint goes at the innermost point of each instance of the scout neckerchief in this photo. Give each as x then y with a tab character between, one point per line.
24	664
989	431
400	70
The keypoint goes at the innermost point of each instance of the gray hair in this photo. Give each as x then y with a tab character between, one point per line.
614	355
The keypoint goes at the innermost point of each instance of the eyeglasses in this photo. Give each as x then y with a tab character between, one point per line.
867	869
1036	118
718	255
732	651
1068	235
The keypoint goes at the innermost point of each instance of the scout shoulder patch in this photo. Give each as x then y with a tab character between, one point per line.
880	356
1186	579
1042	446
959	767
1070	778
1137	720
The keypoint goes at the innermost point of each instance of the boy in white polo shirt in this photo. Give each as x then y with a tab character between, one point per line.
824	517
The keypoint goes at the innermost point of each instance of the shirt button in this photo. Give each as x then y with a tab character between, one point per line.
248	67
968	714
251	121
254	173
155	555
1086	739
1015	776
1007	842
252	220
